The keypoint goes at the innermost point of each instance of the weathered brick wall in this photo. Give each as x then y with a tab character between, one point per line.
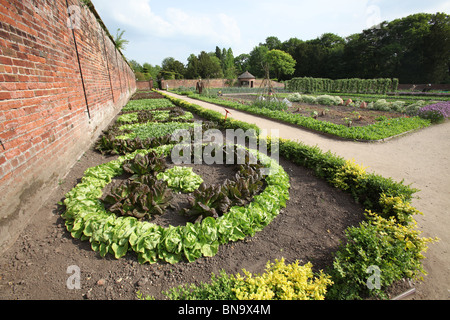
144	85
59	88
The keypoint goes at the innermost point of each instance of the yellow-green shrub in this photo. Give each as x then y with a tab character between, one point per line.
283	282
397	208
395	249
348	175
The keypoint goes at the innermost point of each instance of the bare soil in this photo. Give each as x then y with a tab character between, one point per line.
360	117
146	95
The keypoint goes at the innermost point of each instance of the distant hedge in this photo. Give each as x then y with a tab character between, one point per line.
314	85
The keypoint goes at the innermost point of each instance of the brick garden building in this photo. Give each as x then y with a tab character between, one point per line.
247	80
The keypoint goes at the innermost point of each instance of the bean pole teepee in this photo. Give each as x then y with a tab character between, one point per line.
266	85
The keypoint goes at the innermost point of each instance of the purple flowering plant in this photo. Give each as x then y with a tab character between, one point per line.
436	112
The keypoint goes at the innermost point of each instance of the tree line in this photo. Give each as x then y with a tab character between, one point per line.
414	49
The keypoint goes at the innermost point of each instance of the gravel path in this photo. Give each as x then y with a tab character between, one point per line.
421	159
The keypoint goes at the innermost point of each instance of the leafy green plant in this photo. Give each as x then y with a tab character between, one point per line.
124	139
348	175
207	201
278	282
140	200
105	144
396	250
242	189
397	208
381	118
181	179
271	103
308	99
220	288
327	100
154	129
147	104
214	201
142	165
128	118
413	109
283	282
158	115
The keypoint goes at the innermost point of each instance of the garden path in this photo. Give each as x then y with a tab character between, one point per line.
420	159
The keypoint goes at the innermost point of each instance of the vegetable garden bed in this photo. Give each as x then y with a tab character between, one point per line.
320	214
349	122
216	225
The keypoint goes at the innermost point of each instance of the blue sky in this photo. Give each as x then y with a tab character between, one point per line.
175	28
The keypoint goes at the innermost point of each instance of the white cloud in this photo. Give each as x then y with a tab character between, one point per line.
212	28
231	33
138	16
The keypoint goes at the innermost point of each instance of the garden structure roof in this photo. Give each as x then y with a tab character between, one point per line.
246	75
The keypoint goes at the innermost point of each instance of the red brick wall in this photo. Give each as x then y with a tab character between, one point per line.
144	85
47	118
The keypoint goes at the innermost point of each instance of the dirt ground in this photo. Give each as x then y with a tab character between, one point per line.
309	229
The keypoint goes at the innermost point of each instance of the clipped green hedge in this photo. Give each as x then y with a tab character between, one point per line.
368	188
313	85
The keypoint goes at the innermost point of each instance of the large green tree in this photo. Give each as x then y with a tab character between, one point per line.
205	65
272	43
257	61
437	50
229	69
150	71
172	69
192	69
241	63
280	62
209	66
